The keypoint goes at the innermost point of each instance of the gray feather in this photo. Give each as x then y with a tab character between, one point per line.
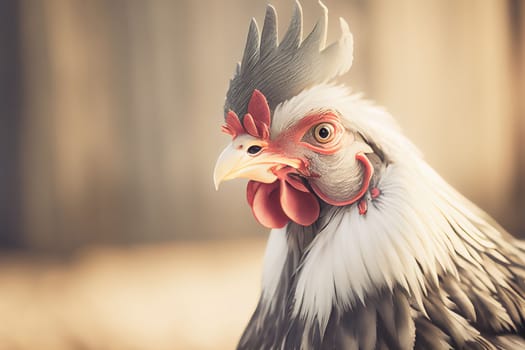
430	337
294	34
317	38
251	51
281	71
396	321
509	342
269	32
491	315
460	298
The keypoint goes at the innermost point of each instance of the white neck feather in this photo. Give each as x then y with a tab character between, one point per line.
412	232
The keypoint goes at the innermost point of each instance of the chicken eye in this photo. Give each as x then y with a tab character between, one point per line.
253	150
324	132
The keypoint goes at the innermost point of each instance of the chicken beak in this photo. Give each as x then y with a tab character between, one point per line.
236	162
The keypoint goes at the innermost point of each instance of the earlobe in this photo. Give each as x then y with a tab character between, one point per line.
368	172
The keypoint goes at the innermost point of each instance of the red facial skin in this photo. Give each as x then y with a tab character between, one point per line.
296	133
289	198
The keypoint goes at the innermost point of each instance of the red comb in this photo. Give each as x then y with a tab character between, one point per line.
256	122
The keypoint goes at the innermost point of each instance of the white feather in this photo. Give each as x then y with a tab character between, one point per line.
412	232
274	259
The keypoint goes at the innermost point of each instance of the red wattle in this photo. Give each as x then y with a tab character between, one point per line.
252	187
266	205
273	205
300	207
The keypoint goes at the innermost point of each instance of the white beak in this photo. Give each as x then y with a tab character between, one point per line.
236	162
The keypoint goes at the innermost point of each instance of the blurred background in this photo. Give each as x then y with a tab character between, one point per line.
111	233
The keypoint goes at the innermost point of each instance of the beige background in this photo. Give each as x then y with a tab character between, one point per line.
121	240
124	103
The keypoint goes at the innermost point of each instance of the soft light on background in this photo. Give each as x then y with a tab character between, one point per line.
113	236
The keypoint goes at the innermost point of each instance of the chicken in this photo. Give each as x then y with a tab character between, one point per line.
370	248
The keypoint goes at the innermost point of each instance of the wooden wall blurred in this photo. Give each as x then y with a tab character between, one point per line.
10	125
111	109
